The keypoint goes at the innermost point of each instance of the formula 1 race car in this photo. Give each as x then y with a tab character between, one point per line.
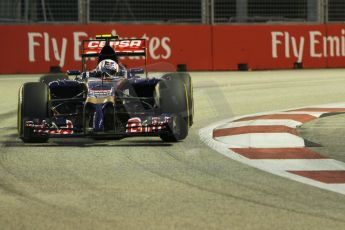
99	105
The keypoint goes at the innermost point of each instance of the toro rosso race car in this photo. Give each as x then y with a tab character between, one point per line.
110	101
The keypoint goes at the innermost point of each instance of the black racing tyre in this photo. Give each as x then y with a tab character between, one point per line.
171	97
32	105
46	79
187	80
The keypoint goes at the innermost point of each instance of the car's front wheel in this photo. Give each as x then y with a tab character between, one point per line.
32	105
172	100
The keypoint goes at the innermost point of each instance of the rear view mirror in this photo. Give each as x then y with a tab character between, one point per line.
137	70
73	72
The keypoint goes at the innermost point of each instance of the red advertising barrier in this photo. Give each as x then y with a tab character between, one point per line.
335	45
267	47
33	49
278	46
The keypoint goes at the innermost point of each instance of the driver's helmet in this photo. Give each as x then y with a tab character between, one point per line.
107	68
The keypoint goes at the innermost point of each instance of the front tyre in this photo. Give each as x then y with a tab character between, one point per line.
172	99
178	130
32	105
187	80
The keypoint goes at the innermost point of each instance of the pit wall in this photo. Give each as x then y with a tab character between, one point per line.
34	48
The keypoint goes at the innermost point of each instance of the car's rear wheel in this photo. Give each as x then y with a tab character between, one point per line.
32	105
172	99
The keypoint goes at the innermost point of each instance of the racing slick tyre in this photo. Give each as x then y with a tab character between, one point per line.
172	99
187	80
32	105
46	79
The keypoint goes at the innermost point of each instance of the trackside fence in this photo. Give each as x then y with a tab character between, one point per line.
172	11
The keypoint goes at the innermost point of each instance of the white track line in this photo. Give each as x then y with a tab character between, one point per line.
301	164
258	122
262	140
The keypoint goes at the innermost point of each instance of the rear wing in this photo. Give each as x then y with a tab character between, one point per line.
122	47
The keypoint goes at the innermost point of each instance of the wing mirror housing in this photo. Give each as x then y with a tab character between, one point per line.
73	72
137	70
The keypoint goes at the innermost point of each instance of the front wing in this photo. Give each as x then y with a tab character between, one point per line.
136	126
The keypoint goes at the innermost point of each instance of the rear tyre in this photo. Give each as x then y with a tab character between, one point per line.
32	105
172	99
46	79
187	80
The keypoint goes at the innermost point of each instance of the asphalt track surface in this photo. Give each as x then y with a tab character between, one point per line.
143	183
